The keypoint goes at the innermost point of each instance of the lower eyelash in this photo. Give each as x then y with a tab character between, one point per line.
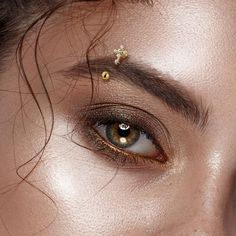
107	115
118	156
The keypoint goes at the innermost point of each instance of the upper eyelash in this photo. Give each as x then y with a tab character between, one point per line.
101	145
95	107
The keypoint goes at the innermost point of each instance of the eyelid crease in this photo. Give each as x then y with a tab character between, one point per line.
102	146
120	106
152	81
107	112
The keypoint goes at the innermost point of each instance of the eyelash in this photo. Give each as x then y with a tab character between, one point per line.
106	113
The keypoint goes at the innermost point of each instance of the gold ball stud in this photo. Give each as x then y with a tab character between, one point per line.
105	75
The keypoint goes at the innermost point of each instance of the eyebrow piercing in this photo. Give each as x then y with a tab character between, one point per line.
105	75
121	54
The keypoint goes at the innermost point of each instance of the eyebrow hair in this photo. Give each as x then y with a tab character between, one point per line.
169	91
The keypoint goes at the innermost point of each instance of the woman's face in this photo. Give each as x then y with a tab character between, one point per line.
176	91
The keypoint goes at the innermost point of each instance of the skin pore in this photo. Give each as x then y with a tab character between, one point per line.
82	191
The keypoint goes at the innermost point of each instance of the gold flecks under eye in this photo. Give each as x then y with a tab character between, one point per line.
105	75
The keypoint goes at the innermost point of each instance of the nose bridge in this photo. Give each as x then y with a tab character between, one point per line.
206	212
211	213
204	208
213	195
211	184
214	190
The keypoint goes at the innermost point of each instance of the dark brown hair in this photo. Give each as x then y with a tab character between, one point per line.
17	19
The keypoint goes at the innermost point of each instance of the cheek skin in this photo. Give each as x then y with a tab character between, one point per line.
195	43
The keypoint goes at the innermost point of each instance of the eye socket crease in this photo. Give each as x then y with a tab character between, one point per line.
162	86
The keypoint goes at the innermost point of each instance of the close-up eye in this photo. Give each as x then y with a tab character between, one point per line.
125	134
128	138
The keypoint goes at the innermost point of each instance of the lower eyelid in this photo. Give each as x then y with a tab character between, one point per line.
124	157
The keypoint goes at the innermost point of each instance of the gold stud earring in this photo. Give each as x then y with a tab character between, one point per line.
121	54
105	75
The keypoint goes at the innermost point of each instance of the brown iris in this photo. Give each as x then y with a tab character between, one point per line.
122	135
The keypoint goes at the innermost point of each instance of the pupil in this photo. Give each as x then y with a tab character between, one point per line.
124	130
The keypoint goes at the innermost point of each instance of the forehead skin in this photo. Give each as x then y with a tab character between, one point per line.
194	42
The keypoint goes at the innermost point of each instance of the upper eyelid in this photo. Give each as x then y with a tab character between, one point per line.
121	106
154	82
157	129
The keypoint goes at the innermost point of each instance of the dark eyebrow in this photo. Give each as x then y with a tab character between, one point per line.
152	81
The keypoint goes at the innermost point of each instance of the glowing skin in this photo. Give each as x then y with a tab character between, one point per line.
194	41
